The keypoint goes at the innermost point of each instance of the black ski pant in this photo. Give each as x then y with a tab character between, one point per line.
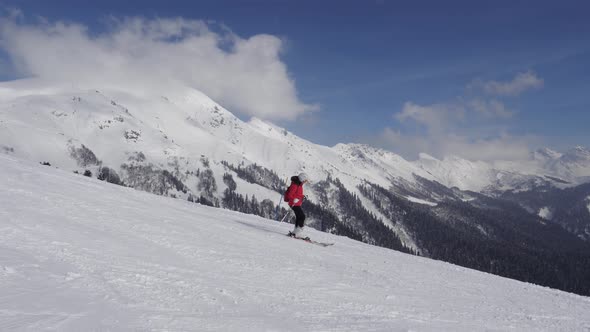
299	216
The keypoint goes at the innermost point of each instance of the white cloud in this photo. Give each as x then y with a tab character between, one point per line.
519	84
440	145
148	56
433	117
441	116
472	129
490	108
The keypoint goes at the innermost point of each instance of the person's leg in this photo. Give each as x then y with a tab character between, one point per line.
299	216
295	227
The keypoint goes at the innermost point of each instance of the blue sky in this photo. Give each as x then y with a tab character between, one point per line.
484	80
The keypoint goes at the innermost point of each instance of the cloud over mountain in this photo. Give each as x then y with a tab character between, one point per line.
474	126
159	55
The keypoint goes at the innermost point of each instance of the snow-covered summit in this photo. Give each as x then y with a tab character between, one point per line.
573	165
545	155
44	121
180	128
144	262
454	171
382	164
578	154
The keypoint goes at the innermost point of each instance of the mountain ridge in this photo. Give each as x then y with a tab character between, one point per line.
220	123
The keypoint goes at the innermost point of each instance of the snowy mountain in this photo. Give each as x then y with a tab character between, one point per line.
545	155
79	254
185	145
188	125
574	163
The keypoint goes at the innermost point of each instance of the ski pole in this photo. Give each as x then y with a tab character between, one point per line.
276	216
279	207
286	214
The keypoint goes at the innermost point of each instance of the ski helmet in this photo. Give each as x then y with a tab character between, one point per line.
303	177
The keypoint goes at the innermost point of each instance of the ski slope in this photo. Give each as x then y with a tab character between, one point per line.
77	254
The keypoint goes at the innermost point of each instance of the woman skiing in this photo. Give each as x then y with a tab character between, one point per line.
294	196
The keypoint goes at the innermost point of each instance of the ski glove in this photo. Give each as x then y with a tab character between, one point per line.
296	200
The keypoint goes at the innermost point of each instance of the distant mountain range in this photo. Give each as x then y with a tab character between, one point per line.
527	220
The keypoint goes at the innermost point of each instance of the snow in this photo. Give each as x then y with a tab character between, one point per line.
588	206
420	201
545	155
78	254
457	172
545	213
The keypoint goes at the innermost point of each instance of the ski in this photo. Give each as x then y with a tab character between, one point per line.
308	240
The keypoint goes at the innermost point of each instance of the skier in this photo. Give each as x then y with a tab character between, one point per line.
294	196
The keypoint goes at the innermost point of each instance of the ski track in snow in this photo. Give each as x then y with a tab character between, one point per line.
77	254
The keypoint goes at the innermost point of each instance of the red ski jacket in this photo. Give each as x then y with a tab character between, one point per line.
295	192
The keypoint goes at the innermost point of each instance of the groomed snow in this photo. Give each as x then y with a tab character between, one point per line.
77	254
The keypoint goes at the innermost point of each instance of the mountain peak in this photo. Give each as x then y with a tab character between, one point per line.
544	154
426	156
581	149
577	154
